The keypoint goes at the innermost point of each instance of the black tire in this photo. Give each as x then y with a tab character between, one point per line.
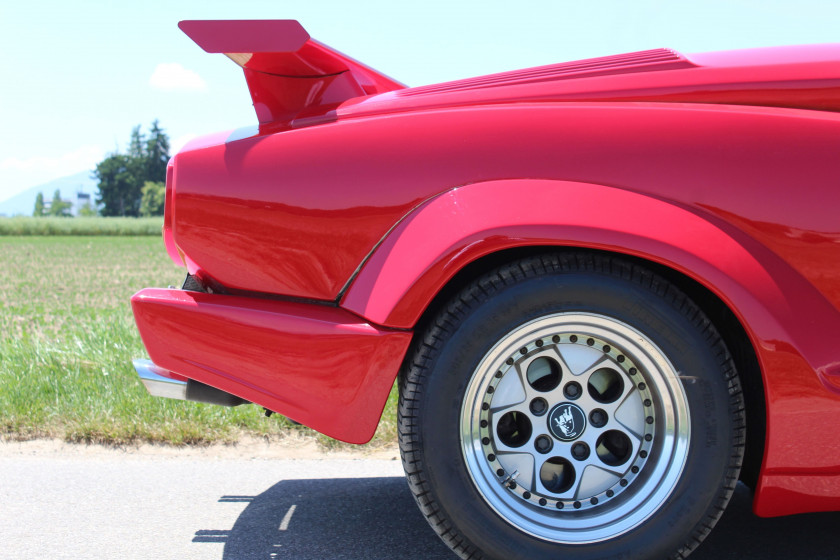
652	488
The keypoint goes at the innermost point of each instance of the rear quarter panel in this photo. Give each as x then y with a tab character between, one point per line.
297	212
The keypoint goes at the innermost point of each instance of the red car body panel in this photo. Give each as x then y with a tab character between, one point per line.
800	77
320	366
723	167
267	214
786	327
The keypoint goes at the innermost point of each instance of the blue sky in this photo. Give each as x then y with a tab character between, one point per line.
75	77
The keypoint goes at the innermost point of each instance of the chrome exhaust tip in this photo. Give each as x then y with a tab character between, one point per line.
161	382
158	383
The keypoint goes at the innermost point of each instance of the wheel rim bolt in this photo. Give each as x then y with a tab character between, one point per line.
572	390
580	451
598	418
543	444
539	406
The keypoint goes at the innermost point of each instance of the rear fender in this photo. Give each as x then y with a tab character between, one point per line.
424	252
430	246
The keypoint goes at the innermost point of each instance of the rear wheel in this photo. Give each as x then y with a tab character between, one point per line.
571	404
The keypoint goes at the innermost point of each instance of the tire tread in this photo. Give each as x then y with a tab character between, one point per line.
482	290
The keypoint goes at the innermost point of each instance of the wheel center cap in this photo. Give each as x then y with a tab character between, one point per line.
566	421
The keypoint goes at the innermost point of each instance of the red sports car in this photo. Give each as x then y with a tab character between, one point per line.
609	289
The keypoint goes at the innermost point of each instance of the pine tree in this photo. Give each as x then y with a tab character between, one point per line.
39	205
137	144
157	154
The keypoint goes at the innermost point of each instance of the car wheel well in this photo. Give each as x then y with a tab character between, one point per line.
725	321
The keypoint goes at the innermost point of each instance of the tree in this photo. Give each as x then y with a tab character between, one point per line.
123	176
87	210
120	183
157	154
39	205
136	146
60	207
151	202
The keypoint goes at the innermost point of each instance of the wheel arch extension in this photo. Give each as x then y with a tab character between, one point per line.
725	321
458	236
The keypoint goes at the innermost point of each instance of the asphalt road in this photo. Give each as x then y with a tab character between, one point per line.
139	506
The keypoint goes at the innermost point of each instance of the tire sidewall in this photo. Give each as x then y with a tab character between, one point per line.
679	336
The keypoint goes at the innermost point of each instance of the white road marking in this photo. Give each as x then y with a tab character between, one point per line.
286	518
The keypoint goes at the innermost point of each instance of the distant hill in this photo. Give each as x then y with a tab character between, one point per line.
24	202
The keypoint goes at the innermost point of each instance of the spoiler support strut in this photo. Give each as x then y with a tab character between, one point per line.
289	75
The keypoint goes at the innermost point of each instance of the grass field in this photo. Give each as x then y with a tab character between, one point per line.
80	226
67	338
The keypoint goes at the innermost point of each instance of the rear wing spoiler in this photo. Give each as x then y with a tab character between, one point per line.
289	74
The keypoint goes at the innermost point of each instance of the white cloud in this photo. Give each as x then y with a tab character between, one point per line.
172	76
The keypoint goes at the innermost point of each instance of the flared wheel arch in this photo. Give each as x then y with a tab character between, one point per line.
726	322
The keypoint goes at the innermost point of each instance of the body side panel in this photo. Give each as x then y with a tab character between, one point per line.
295	213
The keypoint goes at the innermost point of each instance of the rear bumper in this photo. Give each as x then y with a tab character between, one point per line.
321	366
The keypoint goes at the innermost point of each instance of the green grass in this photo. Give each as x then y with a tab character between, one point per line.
67	338
81	226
